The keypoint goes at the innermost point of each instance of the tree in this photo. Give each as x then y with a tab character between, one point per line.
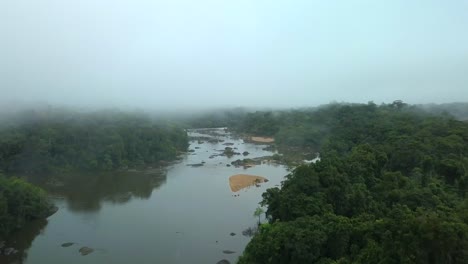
258	212
390	188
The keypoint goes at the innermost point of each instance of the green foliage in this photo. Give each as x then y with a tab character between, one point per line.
390	188
98	141
258	212
19	203
259	123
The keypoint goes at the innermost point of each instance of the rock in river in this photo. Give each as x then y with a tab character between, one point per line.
86	251
196	165
228	252
68	244
224	261
233	234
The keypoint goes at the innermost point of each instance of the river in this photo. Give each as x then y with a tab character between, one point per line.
182	214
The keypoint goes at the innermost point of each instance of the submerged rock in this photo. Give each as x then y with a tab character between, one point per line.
228	252
196	165
68	244
224	261
233	234
86	251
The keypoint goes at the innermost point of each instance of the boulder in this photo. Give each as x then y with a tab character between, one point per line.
68	244
86	251
195	165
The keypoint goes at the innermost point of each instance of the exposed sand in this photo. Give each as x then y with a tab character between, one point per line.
241	181
263	139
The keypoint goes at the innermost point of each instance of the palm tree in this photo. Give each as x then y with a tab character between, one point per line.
258	212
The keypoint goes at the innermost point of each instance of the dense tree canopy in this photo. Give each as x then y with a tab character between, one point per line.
97	141
390	188
52	142
19	203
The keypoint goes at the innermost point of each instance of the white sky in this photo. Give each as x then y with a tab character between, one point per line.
212	53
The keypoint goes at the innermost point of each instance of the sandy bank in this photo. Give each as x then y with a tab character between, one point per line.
241	181
263	139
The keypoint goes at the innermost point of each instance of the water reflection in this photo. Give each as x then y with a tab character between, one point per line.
189	220
22	240
85	193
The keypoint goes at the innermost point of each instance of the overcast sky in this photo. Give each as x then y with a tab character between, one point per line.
211	53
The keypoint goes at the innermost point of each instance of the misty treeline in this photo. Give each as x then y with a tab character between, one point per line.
390	188
48	142
306	128
20	202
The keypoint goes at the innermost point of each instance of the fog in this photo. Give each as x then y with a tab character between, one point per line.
182	54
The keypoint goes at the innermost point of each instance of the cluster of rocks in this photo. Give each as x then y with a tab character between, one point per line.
83	250
225	261
246	163
228	151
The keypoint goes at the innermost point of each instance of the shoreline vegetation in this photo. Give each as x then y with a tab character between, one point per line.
103	141
384	170
50	146
390	187
21	202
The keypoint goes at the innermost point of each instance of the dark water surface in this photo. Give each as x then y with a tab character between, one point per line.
182	215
